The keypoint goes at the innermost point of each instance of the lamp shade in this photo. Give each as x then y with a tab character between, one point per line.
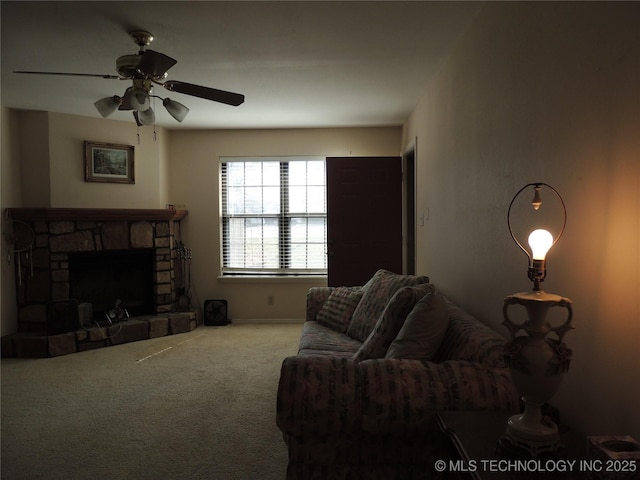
175	109
106	106
139	100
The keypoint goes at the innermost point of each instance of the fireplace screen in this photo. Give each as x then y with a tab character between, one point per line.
106	277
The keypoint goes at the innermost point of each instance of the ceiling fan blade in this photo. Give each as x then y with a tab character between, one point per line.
98	75
155	64
207	93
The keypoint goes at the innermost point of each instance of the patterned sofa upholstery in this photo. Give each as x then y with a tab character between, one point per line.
345	416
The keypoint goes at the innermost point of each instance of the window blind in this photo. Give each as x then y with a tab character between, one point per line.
273	215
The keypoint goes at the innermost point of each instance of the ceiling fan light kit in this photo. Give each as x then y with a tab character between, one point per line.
146	69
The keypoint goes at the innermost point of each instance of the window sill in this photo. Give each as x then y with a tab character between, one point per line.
317	279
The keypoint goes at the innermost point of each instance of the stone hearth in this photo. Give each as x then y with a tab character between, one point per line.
42	274
29	345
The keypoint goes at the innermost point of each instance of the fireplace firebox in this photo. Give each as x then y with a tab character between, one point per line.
104	278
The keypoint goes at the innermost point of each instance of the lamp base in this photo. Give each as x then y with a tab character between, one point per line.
524	440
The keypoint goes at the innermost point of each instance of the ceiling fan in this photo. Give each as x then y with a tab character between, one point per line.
146	69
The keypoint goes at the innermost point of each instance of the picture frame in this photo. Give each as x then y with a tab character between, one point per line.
108	162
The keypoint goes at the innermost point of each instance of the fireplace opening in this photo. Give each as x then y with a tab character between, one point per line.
107	279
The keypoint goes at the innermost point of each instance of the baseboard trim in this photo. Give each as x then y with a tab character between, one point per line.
240	321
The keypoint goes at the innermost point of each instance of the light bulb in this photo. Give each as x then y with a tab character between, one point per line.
540	241
139	100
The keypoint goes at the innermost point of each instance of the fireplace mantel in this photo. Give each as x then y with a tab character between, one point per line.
94	214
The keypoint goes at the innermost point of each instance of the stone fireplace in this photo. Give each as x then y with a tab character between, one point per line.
131	251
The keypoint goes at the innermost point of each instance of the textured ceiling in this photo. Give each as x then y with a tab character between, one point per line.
299	64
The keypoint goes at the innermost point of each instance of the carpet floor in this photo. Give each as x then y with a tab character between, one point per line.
199	405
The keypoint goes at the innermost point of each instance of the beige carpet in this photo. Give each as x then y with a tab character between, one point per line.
200	405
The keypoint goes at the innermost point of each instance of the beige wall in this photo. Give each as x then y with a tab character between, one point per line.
195	184
49	160
32	158
543	92
11	196
67	134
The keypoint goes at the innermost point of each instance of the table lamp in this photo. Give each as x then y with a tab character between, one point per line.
536	355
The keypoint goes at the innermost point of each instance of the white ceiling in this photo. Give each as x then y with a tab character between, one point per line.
299	64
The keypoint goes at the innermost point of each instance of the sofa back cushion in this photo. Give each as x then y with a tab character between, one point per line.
422	332
337	311
390	322
377	293
316	296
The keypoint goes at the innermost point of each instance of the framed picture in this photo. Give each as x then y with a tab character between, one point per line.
106	162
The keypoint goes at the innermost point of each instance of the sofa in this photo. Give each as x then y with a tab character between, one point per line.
374	365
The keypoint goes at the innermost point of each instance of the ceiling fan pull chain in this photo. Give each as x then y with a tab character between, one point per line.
154	121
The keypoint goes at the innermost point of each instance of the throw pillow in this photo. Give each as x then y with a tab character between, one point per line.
337	310
377	293
391	321
423	330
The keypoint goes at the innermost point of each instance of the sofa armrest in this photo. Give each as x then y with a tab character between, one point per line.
318	395
466	338
402	395
316	296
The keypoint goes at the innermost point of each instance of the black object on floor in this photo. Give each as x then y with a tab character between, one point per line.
215	312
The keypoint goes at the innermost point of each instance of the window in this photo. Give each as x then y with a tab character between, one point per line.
274	219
